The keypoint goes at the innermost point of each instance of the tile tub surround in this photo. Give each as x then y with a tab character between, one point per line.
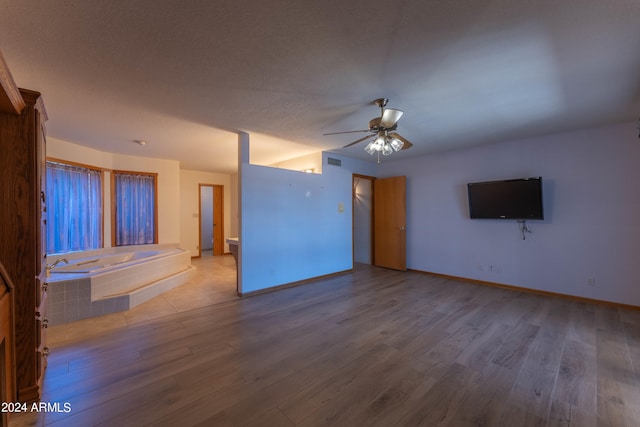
76	296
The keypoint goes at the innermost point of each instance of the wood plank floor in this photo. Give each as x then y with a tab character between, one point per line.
370	348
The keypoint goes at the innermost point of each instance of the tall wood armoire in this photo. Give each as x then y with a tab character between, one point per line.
22	237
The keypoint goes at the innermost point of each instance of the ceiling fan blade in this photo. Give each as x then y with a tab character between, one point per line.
390	117
359	140
405	142
349	131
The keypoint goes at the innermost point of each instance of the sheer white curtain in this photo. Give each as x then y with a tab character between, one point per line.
135	208
74	208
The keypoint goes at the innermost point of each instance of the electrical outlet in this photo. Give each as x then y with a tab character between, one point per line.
591	281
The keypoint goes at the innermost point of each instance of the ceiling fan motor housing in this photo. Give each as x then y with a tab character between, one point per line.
375	126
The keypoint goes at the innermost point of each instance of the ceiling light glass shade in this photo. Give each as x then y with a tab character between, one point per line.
370	148
396	144
384	143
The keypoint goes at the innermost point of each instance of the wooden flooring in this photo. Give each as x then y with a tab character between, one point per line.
371	348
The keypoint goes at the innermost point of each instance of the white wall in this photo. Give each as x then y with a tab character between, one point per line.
292	228
369	168
189	221
168	182
310	161
592	206
294	225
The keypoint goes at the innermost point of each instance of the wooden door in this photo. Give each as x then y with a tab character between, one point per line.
390	223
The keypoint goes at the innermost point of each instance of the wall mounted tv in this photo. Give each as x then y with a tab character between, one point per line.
508	199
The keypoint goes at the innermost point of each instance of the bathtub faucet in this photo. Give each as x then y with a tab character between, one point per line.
52	266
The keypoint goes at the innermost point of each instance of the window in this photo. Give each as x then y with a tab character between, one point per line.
134	208
74	207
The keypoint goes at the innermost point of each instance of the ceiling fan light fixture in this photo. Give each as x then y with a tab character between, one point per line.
396	144
382	130
370	148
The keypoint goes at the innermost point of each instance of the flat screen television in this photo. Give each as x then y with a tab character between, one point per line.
509	199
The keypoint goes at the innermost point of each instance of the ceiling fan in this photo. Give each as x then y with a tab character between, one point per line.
383	130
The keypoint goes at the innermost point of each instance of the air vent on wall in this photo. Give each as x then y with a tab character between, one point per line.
334	162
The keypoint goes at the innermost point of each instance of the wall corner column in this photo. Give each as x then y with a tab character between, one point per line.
243	160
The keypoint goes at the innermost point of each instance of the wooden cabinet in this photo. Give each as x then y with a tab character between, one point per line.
22	236
7	360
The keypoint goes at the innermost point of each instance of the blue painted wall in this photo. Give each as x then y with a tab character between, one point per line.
295	225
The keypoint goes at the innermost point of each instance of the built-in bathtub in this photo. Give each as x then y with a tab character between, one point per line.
102	262
98	282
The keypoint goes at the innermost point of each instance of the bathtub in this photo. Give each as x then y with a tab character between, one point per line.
98	282
97	264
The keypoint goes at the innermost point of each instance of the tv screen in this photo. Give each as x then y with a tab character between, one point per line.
509	199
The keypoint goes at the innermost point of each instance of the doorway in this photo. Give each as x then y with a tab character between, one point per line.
379	221
363	219
211	226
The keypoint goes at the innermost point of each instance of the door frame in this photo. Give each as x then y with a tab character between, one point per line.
218	212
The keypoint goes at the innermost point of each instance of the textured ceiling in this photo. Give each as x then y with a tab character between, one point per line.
186	75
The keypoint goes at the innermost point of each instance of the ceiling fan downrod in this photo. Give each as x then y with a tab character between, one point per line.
381	102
